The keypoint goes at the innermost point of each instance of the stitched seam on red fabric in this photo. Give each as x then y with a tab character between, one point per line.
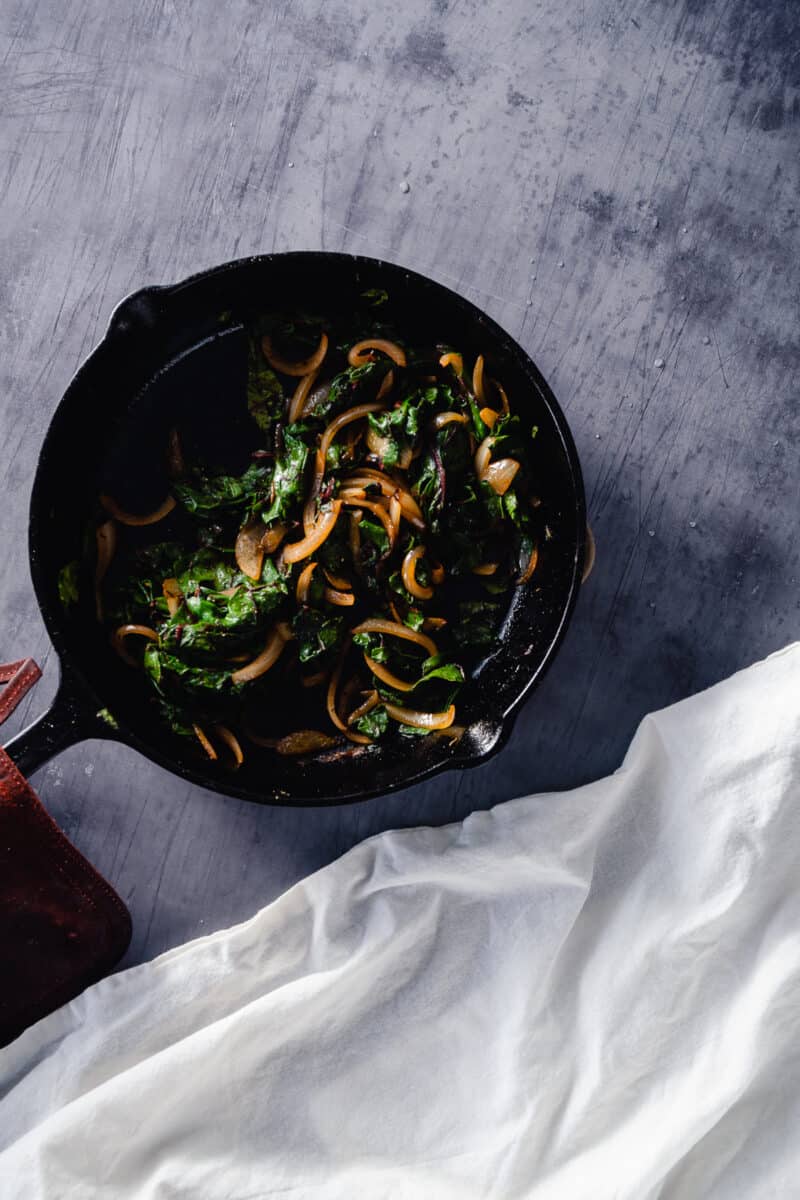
24	678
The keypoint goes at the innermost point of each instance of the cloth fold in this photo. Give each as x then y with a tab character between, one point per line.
588	994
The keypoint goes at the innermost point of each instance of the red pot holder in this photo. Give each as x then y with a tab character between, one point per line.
62	926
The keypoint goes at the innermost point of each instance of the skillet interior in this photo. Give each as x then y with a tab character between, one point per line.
178	355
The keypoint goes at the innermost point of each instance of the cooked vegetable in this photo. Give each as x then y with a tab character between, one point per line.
388	498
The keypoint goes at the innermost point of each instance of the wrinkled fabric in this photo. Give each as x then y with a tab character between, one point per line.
593	994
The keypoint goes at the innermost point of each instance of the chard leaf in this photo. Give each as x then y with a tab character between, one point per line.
265	399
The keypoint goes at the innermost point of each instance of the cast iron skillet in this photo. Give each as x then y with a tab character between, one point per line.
178	354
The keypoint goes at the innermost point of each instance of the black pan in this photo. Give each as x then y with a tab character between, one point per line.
178	354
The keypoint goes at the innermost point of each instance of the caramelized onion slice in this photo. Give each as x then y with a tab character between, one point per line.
379	511
205	743
172	594
304	582
337	581
409	574
454	360
274	648
487	568
489	417
273	538
124	631
395	629
361	353
297	403
422	720
365	476
232	742
483	456
530	566
434	623
321	529
126	518
330	432
500	475
477	380
391	680
330	701
503	397
372	701
387	383
303	366
343	599
304	741
249	549
448	418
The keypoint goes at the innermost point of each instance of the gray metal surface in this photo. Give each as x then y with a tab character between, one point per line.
615	182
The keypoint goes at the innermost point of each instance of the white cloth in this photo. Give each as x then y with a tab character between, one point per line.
587	995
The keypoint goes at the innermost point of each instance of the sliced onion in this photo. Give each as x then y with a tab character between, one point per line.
483	456
106	538
343	599
437	574
422	720
387	383
503	396
330	432
381	672
395	512
405	458
273	538
304	582
453	360
530	566
337	581
500	475
322	528
389	487
394	612
378	443
355	534
176	466
232	742
126	518
205	743
489	417
249	550
409	574
330	700
448	418
124	631
477	380
263	661
396	629
310	681
372	701
487	568
303	366
304	741
297	403
172	594
434	623
360	353
379	511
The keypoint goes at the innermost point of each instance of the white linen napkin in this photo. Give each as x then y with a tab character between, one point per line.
593	994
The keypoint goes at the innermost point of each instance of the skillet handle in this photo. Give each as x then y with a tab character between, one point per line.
67	721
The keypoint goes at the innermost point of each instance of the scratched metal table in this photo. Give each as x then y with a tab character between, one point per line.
615	181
